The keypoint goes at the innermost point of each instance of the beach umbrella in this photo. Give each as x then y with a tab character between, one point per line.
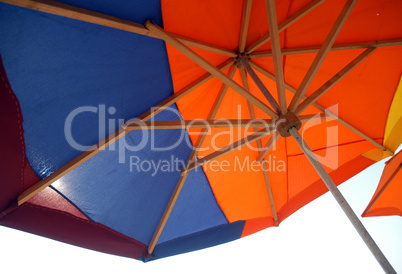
214	99
386	200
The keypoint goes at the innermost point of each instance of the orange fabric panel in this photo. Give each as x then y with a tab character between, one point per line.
301	172
387	197
310	193
254	225
362	98
215	22
370	20
318	188
185	70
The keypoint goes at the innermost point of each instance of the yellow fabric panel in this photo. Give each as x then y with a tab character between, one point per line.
393	128
376	154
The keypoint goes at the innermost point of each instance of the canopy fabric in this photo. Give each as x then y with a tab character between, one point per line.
61	72
218	26
386	200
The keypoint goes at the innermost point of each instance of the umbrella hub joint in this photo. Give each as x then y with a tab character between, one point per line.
286	122
242	57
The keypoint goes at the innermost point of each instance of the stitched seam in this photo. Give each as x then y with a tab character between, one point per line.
87	222
11	93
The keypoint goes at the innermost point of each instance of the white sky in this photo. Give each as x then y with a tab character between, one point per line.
316	239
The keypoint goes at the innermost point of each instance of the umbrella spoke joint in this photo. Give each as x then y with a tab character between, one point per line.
286	122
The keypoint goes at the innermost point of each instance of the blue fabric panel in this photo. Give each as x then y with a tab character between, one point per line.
207	238
56	65
195	210
128	190
137	11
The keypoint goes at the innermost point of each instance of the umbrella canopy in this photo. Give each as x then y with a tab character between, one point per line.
77	69
386	200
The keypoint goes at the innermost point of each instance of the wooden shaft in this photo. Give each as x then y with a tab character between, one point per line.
393	175
285	24
326	111
210	68
336	47
245	20
322	53
331	82
260	85
276	49
259	146
191	159
223	151
382	260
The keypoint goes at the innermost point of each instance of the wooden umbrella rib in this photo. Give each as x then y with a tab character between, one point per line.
276	48
322	53
268	146
77	161
285	24
324	110
203	124
245	20
210	68
259	145
191	159
203	45
267	94
36	188
331	82
336	47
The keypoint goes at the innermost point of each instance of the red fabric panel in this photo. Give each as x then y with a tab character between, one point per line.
51	199
12	146
15	172
47	214
65	227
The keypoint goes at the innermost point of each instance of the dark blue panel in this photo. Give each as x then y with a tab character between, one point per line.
207	238
136	11
128	186
56	65
195	210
